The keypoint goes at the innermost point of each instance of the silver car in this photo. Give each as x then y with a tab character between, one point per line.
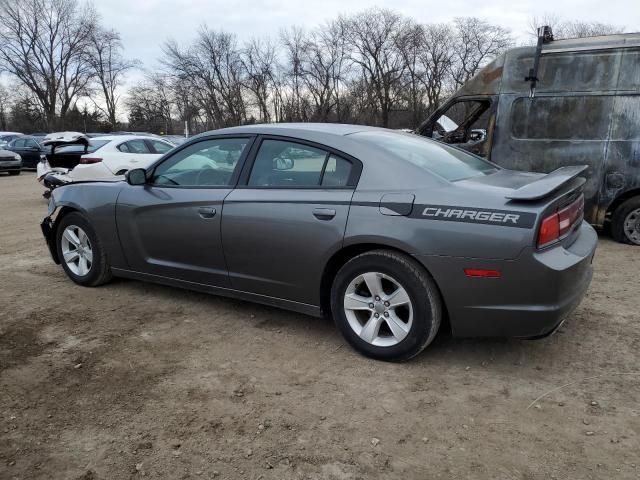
388	232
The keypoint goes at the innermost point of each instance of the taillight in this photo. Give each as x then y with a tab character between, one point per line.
549	230
559	224
88	160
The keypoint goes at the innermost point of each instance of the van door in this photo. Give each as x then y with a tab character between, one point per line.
466	122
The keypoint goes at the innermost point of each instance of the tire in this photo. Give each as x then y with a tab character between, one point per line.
625	222
97	271
14	172
417	321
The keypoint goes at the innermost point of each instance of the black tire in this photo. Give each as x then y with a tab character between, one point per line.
14	172
99	271
422	291
618	221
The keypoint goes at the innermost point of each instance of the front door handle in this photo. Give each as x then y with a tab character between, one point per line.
324	213
207	212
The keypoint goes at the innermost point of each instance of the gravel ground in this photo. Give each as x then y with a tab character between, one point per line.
136	380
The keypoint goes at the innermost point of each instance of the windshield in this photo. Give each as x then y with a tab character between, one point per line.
448	162
93	146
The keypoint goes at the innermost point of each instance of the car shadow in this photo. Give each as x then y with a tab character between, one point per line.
445	349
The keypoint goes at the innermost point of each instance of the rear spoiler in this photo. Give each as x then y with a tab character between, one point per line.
548	184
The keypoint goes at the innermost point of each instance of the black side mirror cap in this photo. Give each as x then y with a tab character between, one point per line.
137	176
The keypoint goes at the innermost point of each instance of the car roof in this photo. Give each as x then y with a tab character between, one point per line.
339	129
125	138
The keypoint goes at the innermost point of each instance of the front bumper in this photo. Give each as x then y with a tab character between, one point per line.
533	296
10	165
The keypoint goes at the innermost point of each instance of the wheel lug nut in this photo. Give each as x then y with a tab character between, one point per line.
386	304
377	298
376	315
371	305
386	314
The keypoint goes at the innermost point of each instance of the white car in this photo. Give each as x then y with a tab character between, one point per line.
113	155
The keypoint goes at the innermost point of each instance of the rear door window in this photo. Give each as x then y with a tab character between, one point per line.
134	146
160	147
281	163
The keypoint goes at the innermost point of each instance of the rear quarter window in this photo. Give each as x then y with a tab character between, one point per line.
445	161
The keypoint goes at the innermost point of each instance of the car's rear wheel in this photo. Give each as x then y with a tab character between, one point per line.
386	305
80	251
625	222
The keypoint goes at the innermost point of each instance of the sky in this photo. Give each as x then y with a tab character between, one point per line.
146	24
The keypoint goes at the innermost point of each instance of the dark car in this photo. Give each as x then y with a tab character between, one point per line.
29	150
387	231
567	102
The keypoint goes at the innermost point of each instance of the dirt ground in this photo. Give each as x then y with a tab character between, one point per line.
136	380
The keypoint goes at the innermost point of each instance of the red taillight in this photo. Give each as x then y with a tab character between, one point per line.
559	224
549	230
477	272
88	160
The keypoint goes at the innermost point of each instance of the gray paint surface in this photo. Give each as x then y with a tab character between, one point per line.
273	245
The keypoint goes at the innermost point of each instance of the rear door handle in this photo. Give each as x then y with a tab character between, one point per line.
207	212
324	213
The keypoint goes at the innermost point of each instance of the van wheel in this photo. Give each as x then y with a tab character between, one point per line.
625	222
386	305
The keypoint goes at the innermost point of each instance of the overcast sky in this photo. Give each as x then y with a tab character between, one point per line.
146	24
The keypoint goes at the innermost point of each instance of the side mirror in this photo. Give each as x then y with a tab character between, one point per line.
283	164
137	176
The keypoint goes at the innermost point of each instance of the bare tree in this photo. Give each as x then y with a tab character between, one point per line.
476	43
110	68
213	66
571	28
373	37
259	61
323	69
293	41
150	105
5	100
44	45
437	58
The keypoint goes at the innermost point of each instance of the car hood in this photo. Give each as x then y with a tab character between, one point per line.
7	153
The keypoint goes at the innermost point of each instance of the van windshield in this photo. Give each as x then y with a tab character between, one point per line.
448	162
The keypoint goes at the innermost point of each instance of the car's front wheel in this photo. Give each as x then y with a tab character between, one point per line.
80	251
386	305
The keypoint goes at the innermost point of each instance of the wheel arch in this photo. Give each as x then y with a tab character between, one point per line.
52	236
620	199
342	256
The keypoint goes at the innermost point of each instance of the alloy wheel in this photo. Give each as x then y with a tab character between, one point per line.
378	309
76	250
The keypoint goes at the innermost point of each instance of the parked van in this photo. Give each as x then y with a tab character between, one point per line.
564	102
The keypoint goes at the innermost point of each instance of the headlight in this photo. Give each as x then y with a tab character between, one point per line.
17	157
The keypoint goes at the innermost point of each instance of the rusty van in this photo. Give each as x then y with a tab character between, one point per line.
559	103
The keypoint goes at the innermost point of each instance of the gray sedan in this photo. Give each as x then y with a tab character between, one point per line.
388	232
